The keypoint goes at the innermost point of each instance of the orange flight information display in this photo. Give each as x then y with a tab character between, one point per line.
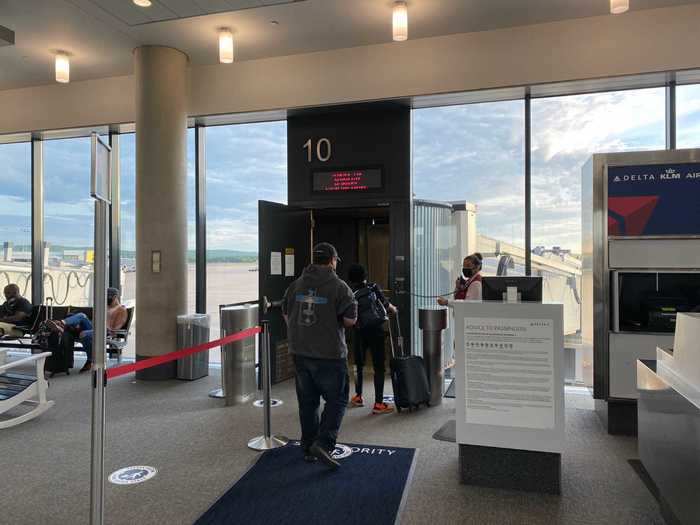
348	180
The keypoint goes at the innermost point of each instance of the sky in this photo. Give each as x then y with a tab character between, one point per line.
472	153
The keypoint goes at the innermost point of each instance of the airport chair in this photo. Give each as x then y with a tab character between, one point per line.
16	388
118	339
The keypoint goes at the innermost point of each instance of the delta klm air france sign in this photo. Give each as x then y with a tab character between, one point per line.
654	199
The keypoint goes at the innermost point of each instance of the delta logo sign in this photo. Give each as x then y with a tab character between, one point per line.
656	199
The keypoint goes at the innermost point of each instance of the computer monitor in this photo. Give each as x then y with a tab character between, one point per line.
527	288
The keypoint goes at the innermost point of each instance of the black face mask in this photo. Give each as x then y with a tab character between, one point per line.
467	272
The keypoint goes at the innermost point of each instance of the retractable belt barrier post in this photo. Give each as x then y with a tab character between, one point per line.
100	190
267	441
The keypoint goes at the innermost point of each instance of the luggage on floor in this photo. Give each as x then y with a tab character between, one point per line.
408	377
61	347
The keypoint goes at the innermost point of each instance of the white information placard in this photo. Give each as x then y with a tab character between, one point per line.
509	372
275	263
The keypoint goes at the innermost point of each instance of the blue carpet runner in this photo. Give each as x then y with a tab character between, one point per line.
282	488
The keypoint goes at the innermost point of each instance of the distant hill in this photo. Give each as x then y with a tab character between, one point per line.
214	256
224	256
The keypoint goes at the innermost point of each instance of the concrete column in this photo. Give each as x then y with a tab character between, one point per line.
161	208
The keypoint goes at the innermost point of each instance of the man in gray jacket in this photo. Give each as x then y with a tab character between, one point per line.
318	307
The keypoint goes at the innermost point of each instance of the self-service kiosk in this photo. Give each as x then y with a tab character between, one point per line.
641	267
349	184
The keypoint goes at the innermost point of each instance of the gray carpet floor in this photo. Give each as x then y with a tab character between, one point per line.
199	449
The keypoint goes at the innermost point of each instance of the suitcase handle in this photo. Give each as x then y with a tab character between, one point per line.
399	338
391	341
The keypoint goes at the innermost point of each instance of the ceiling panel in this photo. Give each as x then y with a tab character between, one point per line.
182	8
164	10
100	35
130	14
220	6
126	12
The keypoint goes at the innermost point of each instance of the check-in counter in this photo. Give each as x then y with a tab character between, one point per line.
510	394
669	421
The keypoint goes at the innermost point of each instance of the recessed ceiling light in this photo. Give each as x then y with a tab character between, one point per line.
274	22
618	7
400	21
143	3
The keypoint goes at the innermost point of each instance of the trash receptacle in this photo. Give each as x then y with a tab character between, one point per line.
432	322
238	384
192	330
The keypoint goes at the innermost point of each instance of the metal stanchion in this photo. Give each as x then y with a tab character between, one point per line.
267	441
100	190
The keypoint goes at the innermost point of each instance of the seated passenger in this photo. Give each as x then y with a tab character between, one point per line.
15	312
372	309
81	325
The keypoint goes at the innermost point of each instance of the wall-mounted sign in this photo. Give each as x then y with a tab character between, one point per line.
347	180
654	199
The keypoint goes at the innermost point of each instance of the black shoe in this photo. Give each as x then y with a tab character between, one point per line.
324	456
309	457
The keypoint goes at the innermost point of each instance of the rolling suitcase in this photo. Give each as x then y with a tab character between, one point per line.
61	359
408	377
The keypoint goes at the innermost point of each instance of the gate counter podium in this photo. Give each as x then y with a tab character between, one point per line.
510	394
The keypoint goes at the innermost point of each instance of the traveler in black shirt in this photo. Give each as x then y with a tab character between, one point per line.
369	334
318	307
15	312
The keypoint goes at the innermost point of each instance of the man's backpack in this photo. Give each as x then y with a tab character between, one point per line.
370	311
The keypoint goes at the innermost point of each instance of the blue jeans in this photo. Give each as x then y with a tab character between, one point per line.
315	379
82	324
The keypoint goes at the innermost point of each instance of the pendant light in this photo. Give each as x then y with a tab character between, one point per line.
400	21
225	46
62	68
617	7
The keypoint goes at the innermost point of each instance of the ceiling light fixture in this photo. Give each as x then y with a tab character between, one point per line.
62	67
617	7
400	21
143	3
225	46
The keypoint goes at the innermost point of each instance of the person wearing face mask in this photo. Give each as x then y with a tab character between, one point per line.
468	285
14	312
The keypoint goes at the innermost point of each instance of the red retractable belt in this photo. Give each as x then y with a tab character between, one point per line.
179	354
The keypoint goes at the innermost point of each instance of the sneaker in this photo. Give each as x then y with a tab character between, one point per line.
357	401
324	456
382	408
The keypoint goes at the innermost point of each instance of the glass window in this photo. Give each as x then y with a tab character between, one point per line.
475	153
127	248
127	253
68	222
688	116
245	163
16	216
566	131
